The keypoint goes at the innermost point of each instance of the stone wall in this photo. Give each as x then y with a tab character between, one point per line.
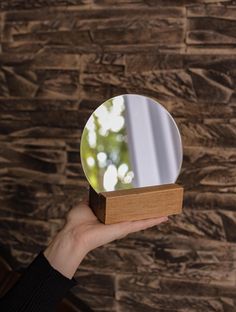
60	59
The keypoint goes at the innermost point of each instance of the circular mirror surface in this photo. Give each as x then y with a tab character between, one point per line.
130	141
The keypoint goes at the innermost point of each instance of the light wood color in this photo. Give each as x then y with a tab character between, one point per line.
137	203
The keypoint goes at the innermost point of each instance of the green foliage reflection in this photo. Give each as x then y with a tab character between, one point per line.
104	148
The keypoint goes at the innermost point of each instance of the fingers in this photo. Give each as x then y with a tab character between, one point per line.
147	223
101	234
121	229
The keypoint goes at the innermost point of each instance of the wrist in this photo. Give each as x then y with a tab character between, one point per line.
65	253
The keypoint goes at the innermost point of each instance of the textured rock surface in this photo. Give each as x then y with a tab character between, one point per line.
58	61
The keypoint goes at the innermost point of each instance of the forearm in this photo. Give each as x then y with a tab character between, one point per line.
39	289
49	276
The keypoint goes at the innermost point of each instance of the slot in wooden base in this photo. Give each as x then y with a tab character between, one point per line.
137	203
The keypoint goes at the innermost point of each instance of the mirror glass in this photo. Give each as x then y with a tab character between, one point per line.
130	141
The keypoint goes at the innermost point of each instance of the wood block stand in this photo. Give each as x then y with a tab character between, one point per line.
137	203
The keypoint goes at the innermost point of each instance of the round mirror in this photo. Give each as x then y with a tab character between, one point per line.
130	141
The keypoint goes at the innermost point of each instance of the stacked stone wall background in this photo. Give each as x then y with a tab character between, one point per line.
60	60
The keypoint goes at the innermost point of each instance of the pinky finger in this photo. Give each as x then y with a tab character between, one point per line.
147	223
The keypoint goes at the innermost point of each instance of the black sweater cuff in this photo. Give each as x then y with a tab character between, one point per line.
40	288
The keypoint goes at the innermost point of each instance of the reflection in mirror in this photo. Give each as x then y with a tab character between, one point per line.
130	141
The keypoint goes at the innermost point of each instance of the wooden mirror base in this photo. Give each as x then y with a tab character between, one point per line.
137	203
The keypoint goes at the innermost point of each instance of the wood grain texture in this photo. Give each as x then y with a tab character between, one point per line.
59	60
137	203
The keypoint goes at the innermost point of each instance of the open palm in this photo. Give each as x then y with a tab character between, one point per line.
88	229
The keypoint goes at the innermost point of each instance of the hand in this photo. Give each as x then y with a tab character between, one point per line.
83	232
91	233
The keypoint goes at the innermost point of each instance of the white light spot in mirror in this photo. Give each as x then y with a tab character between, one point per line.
92	139
118	123
114	156
90	124
102	114
110	178
102	159
118	105
129	177
90	161
123	168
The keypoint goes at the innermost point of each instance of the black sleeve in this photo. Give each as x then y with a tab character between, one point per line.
39	289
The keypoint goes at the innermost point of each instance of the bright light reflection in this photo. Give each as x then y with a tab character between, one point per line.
106	127
129	177
110	178
90	124
92	139
123	168
118	123
102	159
118	105
90	161
110	120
